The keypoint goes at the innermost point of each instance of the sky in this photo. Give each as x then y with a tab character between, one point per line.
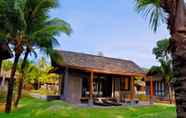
109	26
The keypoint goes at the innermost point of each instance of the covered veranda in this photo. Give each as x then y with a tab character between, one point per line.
98	85
109	86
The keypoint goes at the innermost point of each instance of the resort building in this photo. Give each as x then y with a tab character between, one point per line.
157	87
86	78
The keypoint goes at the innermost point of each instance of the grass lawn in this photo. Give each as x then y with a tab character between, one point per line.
34	108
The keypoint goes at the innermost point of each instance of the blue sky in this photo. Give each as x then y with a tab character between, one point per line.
110	26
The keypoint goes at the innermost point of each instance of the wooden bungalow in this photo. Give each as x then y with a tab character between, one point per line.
157	87
86	77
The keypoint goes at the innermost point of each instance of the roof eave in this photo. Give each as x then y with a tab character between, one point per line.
140	74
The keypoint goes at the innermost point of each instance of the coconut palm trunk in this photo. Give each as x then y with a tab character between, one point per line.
172	12
11	84
21	80
176	24
179	65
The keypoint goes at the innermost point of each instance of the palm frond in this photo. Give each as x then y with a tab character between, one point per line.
19	7
44	5
152	10
55	26
63	25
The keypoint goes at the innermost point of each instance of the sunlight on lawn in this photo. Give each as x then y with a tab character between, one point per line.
34	108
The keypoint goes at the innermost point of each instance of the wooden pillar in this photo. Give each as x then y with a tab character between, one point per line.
151	88
132	89
151	91
113	88
91	88
120	92
120	89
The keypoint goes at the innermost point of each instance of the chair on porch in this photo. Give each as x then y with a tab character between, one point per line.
112	102
106	102
99	101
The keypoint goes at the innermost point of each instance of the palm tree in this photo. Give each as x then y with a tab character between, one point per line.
40	32
12	26
162	53
167	73
173	12
25	24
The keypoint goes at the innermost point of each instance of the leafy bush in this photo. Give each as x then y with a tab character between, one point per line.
143	97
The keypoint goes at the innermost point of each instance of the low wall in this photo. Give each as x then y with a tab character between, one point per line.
72	88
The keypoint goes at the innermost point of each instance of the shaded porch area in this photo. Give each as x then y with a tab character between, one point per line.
98	87
83	87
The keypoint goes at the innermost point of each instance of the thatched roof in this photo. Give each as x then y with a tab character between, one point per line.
98	64
5	51
154	74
